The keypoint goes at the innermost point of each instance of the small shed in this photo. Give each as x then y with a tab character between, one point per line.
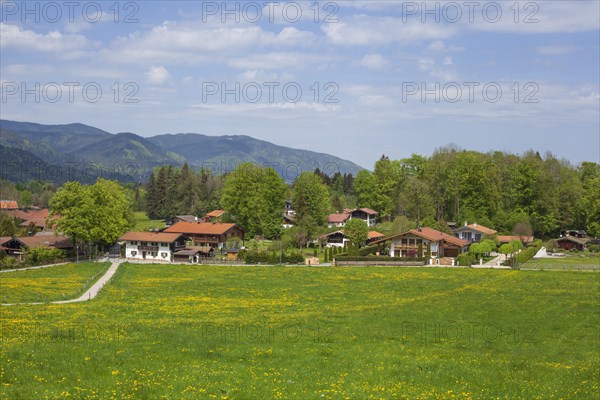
311	261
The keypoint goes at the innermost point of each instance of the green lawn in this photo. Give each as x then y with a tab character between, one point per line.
143	223
48	284
195	332
570	262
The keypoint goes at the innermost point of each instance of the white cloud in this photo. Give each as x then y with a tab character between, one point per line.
365	30
158	75
438	45
447	61
195	44
28	40
556	50
374	62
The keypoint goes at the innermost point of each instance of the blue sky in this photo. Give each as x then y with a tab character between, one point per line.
376	76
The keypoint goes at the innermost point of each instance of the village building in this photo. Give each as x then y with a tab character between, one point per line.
153	246
418	243
339	220
338	239
17	246
211	234
473	232
572	243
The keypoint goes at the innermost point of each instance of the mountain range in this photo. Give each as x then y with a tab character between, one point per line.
60	153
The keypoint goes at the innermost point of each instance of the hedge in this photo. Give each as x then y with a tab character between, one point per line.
380	258
256	257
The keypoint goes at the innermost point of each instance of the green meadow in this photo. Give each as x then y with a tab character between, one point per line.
196	332
62	282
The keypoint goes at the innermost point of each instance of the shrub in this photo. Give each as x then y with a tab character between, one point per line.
380	258
257	257
41	255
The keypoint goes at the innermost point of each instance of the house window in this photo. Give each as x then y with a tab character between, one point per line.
144	243
163	255
154	254
411	241
404	241
419	241
134	253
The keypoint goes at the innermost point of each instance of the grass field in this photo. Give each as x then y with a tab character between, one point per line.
195	332
143	223
570	262
48	284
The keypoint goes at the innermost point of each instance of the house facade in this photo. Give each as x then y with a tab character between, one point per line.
419	242
152	246
212	234
338	220
473	232
16	246
338	239
572	243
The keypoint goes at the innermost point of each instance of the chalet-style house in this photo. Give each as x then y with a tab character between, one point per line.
288	221
289	209
572	243
16	246
153	246
473	232
338	220
213	234
442	247
338	239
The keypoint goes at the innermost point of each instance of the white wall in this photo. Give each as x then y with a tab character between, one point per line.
161	249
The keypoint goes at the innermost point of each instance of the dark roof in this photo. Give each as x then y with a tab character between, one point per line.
573	239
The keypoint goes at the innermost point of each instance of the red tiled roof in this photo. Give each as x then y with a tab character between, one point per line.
58	241
432	235
8	204
215	213
21	214
200	228
375	235
151	237
337	218
508	239
367	210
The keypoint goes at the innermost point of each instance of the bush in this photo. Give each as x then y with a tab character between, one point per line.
367	250
465	259
41	255
259	257
594	248
380	258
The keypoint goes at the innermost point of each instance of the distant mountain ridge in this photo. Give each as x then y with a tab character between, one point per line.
130	157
